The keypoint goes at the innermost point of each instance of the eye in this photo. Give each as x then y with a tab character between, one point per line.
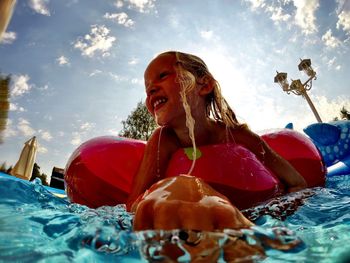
163	74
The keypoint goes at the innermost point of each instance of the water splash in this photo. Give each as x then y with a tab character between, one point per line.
37	226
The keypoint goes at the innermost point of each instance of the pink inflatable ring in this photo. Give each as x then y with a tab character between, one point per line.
101	170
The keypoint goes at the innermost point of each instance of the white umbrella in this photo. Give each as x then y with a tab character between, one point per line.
24	167
6	9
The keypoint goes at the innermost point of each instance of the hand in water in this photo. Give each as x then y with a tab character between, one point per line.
188	203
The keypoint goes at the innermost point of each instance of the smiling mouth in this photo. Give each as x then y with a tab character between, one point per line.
159	103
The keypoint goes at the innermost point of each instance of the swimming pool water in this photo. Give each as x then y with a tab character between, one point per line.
36	226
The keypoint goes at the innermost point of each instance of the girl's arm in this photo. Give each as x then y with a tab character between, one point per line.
154	163
285	172
291	178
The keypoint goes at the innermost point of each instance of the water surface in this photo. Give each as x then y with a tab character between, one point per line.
37	226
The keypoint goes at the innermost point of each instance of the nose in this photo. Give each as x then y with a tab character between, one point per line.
151	89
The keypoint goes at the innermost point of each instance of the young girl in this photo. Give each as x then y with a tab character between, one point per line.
187	103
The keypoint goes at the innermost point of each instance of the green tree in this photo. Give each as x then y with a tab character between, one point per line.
3	167
36	174
139	124
8	171
4	103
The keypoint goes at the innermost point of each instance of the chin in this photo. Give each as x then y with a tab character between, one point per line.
161	123
160	120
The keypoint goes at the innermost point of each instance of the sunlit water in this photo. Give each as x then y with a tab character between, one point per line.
36	226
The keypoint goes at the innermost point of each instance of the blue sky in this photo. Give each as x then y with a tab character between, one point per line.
77	65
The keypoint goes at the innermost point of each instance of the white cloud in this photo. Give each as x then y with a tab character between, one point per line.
137	81
305	15
98	41
280	51
342	4
344	21
45	135
120	18
20	85
275	9
119	3
41	149
329	40
10	130
62	60
83	129
301	116
87	126
120	78
24	127
95	72
15	107
331	62
112	75
116	77
255	4
8	37
48	117
143	6
40	6
328	109
277	14
133	61
113	131
173	20
45	87
206	34
76	140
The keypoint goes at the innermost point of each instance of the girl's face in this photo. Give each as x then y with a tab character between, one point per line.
163	91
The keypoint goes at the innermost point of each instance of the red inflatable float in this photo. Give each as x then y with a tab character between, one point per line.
101	170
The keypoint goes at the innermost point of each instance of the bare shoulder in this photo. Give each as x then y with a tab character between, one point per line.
252	141
243	135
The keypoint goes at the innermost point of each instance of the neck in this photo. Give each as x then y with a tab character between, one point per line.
203	132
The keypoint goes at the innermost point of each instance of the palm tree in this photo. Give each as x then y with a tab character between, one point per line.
344	113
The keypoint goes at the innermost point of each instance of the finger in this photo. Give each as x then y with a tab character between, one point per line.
227	216
165	215
143	218
195	216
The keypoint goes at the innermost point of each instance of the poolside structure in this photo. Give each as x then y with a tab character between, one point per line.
24	166
57	178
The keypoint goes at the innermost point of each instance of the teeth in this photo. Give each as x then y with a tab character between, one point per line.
157	102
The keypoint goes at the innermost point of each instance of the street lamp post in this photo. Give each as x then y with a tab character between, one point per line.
297	87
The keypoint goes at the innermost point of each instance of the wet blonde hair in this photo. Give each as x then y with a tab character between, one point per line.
192	68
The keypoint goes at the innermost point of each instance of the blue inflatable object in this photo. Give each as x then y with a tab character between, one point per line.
290	126
333	141
55	191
